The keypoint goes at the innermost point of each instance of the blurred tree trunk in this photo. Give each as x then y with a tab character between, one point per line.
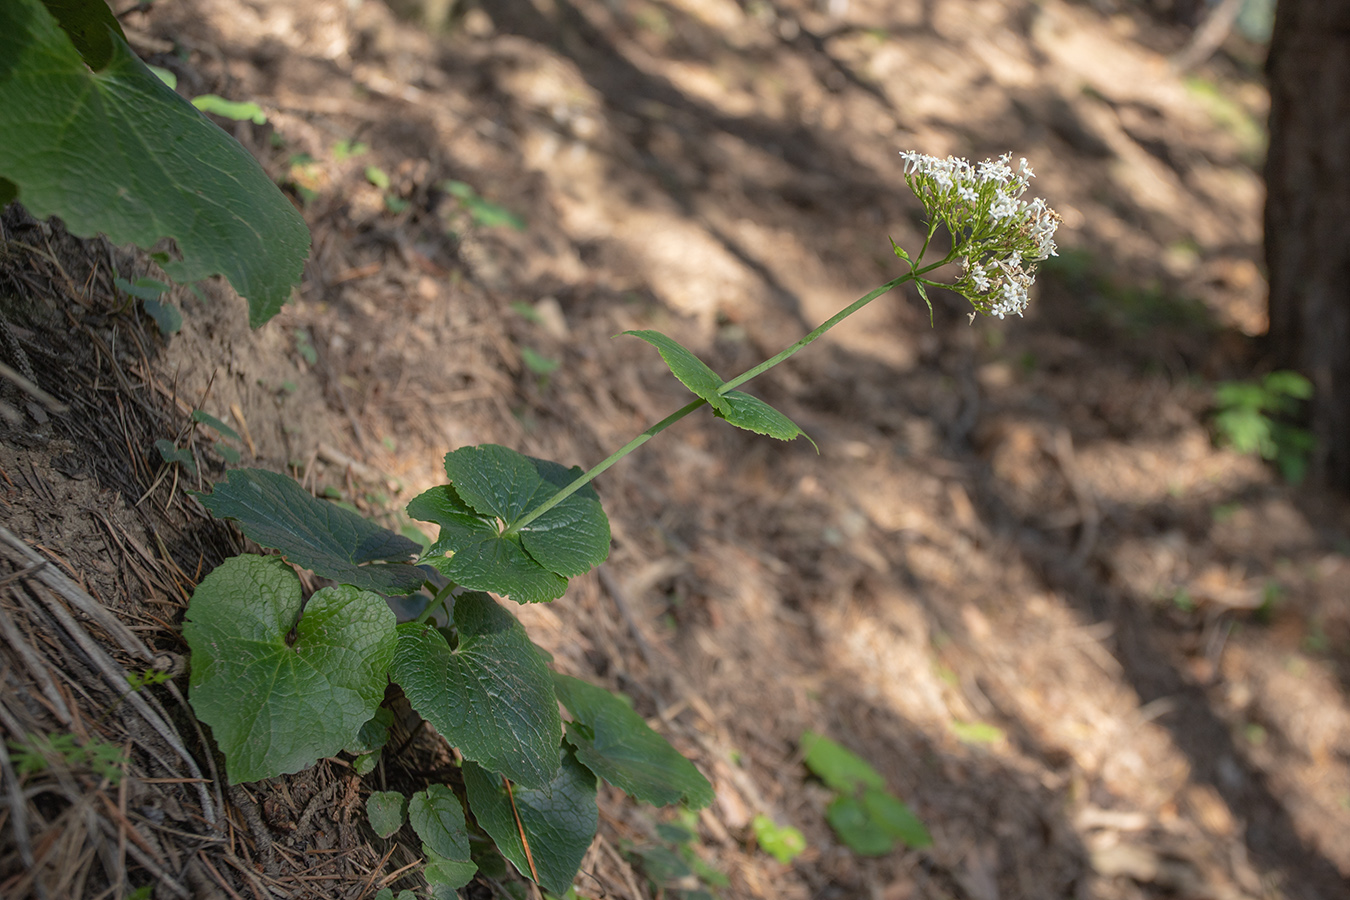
1308	214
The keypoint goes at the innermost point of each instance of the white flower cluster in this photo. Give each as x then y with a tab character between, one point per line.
999	236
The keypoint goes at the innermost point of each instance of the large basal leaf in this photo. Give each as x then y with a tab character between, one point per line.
614	743
558	820
692	372
277	693
753	414
315	534
438	819
117	152
491	696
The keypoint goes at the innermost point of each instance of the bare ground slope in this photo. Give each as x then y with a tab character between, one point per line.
1018	525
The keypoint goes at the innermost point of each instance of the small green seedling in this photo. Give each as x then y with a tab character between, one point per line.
783	842
976	732
1256	418
305	347
483	213
149	291
345	149
227	453
171	453
230	109
150	677
538	364
865	815
39	752
673	864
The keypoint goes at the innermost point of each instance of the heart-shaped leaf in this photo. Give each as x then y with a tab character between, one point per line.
491	696
280	689
692	372
556	820
116	151
613	742
753	414
385	809
438	819
336	543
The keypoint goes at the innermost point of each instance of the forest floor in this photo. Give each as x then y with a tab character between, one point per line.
1100	655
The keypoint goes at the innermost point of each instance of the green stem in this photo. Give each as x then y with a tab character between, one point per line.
617	455
685	410
436	602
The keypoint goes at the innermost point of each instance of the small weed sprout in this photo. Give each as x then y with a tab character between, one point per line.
1257	418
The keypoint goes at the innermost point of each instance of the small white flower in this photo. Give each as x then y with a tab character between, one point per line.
999	236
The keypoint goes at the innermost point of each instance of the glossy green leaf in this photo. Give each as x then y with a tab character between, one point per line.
280	693
438	819
336	543
558	819
753	414
895	818
385	810
838	767
91	27
483	559
692	372
502	566
856	828
388	894
116	151
491	696
459	523
613	742
494	480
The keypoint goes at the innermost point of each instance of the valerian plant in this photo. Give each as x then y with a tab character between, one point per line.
284	681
